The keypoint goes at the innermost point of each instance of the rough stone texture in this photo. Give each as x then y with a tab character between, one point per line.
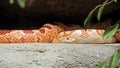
43	55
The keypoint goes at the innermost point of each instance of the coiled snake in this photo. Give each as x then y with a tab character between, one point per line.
50	33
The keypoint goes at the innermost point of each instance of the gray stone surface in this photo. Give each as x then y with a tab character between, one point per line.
47	55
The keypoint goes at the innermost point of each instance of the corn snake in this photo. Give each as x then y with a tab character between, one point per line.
50	33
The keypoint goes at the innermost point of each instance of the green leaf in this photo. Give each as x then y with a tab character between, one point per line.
102	65
11	1
100	11
88	19
21	3
115	59
110	31
115	1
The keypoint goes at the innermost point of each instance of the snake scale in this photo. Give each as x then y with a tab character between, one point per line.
50	33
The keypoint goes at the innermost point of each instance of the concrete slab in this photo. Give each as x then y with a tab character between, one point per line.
50	55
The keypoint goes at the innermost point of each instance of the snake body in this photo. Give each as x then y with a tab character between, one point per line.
90	36
45	34
50	33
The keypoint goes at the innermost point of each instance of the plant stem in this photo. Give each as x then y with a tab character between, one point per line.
107	2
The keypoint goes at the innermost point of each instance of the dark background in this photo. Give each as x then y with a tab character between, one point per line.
38	12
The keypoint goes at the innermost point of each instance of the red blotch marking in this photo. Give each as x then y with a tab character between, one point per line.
84	34
28	31
100	32
2	32
42	30
47	26
39	39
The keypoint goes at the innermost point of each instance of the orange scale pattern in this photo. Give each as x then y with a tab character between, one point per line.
45	34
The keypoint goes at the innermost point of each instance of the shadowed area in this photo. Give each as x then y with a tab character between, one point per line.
36	13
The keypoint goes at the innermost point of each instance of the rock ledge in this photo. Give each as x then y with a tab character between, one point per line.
47	55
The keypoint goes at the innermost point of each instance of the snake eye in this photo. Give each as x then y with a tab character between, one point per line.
67	38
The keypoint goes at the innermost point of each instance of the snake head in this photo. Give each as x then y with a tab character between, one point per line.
65	40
